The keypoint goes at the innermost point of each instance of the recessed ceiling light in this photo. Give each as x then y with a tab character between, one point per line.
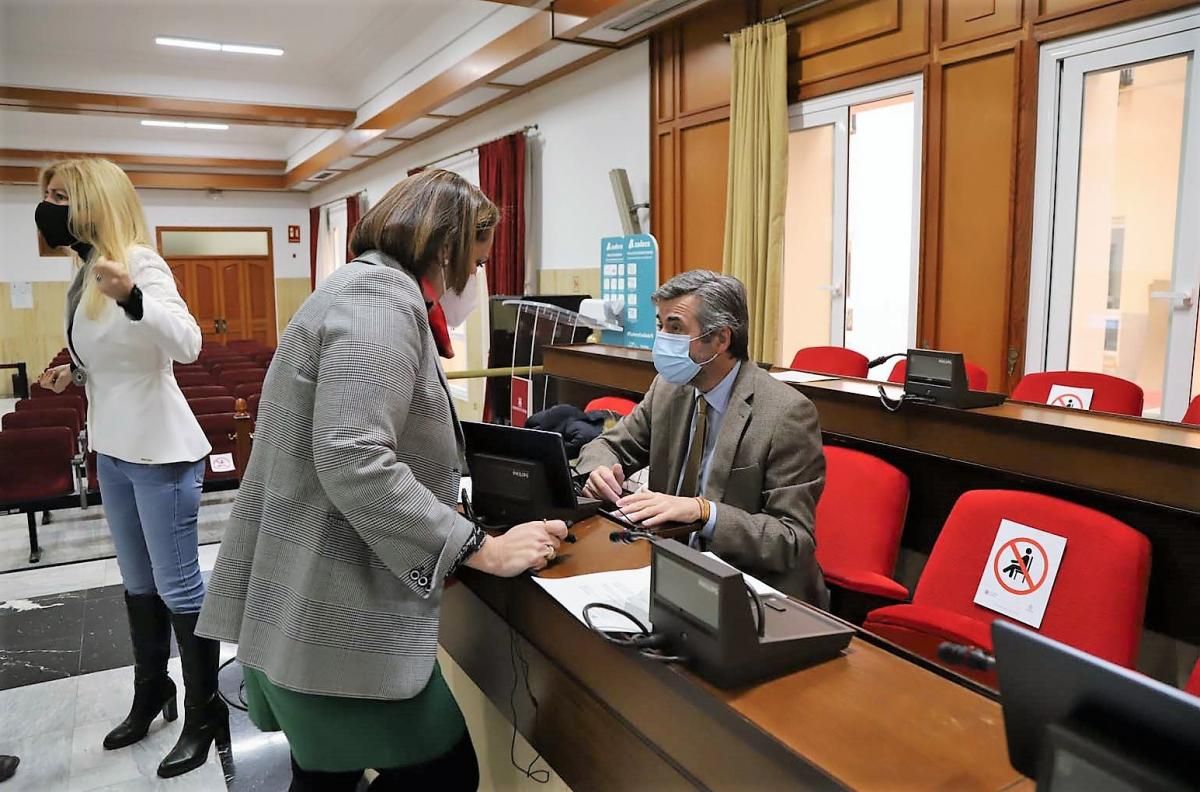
213	46
183	124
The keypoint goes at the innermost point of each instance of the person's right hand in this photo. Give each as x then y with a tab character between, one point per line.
605	483
56	379
529	545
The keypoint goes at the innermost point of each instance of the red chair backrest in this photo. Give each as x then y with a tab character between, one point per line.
860	516
246	345
613	404
231	379
1193	684
204	391
52	416
245	390
48	402
977	376
211	405
831	360
1099	596
1192	416
1109	394
230	363
220	429
36	464
188	379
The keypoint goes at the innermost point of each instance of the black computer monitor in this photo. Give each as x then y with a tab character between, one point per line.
1077	723
517	474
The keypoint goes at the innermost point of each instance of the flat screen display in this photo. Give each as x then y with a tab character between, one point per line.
687	590
930	367
1073	773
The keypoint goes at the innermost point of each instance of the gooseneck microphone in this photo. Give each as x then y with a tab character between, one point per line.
968	656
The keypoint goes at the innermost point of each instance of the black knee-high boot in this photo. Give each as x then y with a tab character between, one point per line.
205	716
153	690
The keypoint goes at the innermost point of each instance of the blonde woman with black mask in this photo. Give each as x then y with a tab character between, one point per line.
125	324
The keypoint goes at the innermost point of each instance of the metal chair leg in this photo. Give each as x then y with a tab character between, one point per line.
35	550
46	518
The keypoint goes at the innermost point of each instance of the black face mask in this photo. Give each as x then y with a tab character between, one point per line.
51	220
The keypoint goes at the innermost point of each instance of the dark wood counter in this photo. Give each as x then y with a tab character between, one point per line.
608	719
1142	471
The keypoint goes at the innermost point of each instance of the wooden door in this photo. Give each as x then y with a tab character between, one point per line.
231	298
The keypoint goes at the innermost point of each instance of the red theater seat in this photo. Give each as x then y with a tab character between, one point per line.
977	376
613	404
38	467
839	361
1109	394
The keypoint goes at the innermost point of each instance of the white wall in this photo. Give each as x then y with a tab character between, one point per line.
19	259
588	123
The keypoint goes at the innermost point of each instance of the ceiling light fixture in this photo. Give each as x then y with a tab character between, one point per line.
213	46
184	124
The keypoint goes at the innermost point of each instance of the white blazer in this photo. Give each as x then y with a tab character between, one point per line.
136	411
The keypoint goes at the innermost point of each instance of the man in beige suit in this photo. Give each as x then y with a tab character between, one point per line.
728	446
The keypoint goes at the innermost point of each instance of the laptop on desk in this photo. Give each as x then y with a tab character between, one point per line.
518	475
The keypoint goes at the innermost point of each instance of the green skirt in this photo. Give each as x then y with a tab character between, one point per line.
332	734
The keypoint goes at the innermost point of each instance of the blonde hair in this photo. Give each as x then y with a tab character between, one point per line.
105	212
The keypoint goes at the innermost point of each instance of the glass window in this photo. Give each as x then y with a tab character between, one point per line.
181	243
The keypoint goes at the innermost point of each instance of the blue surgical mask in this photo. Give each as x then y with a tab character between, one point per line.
673	360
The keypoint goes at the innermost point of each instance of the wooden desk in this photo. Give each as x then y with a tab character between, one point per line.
1144	472
609	719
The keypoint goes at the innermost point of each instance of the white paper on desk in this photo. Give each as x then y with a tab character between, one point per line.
627	589
800	376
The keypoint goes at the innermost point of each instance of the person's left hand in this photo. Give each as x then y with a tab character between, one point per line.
652	509
112	279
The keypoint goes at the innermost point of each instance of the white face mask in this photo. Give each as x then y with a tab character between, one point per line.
457	307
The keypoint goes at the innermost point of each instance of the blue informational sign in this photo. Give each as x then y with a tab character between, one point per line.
629	275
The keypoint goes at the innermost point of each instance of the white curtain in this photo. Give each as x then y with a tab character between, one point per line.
327	260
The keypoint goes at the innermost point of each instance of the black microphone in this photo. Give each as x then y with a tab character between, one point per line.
969	656
884	359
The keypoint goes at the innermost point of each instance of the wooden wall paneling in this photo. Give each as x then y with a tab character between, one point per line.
1070	21
701	198
704	69
663	216
857	23
968	20
662	75
290	294
1057	8
260	298
865	47
33	335
972	209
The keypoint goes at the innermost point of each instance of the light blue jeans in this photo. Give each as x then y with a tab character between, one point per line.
152	512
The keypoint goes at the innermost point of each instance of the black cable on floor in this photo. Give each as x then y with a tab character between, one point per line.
243	707
515	656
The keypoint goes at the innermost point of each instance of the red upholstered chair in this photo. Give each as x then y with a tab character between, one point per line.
211	405
1193	684
859	521
53	416
221	432
831	360
613	404
1109	394
38	467
204	391
977	376
1097	603
189	379
75	403
245	390
229	364
1192	416
231	379
246	345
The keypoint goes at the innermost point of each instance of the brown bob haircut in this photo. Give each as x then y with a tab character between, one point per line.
429	217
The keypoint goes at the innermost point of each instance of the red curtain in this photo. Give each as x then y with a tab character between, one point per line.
353	213
314	220
502	178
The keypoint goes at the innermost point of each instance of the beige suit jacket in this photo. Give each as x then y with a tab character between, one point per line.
767	472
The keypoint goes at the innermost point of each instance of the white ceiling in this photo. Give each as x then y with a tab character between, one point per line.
337	54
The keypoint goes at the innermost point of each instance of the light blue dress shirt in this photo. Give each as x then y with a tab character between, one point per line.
718	405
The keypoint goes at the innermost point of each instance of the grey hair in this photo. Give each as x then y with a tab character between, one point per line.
722	304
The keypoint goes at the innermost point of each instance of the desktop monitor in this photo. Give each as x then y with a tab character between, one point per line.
518	474
1077	723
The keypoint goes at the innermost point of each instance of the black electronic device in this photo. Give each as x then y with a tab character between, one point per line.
1077	723
730	636
519	475
941	377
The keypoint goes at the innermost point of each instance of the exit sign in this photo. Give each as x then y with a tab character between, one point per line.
293	233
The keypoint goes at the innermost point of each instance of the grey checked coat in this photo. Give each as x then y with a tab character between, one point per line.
331	569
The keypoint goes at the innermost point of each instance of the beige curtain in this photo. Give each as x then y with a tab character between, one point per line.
758	147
